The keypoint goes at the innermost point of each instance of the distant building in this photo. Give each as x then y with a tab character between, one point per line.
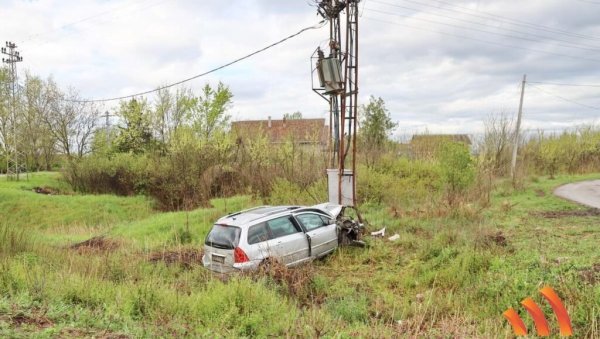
308	132
425	146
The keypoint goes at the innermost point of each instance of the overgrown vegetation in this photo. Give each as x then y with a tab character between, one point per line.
445	276
93	256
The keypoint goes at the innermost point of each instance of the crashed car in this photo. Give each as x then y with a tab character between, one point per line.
291	235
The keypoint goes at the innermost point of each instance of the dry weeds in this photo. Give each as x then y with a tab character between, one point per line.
95	244
187	257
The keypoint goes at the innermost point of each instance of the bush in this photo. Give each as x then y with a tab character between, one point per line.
121	174
573	152
284	191
399	182
457	169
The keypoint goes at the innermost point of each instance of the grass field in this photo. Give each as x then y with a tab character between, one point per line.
445	276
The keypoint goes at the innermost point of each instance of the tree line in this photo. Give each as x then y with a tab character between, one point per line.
48	122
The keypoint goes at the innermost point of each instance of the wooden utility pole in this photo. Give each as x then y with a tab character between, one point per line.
513	164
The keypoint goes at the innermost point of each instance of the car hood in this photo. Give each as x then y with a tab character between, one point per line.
333	209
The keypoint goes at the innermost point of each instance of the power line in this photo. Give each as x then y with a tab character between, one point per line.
474	29
571	44
36	35
564	99
500	18
562	84
590	2
483	41
317	26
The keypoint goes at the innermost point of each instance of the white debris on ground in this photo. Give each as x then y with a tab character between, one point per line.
380	233
394	237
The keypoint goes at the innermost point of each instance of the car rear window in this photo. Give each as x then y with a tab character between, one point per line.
223	236
258	233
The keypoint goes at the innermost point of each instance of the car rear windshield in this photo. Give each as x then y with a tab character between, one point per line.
223	236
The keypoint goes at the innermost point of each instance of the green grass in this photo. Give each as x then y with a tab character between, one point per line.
160	229
445	277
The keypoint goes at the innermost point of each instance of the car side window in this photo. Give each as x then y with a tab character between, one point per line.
258	233
281	227
326	220
310	221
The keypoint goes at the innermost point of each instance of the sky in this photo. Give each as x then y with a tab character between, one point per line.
440	66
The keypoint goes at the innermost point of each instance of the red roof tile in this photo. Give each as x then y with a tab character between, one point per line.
298	130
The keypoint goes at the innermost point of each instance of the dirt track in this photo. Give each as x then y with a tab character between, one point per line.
585	192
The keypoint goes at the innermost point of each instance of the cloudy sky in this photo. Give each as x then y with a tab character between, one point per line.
441	66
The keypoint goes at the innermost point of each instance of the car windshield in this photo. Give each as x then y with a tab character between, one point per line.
223	236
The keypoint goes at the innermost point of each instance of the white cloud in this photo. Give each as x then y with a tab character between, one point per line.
428	75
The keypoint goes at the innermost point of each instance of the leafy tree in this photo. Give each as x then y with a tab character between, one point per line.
136	136
376	126
209	111
171	109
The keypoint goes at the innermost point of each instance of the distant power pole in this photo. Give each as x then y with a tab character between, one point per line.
13	165
517	139
107	130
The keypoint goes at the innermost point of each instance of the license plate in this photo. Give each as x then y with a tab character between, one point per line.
218	258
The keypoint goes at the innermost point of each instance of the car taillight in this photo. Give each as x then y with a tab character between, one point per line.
239	256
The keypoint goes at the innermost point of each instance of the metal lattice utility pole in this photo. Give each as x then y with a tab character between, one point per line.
513	164
14	166
338	84
107	129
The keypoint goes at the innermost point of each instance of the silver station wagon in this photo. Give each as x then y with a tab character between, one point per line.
290	234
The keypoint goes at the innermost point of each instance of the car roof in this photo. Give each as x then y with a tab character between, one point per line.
244	217
254	215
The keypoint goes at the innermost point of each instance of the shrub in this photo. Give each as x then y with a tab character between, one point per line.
457	169
284	191
576	151
399	182
120	174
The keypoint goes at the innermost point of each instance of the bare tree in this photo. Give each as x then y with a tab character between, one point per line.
85	126
72	123
496	143
38	98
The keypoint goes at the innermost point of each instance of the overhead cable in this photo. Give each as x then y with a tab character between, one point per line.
477	29
482	40
563	98
317	26
562	84
487	25
500	18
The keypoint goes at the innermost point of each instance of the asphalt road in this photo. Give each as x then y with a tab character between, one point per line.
585	192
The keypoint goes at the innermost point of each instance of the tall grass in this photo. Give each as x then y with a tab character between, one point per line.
446	276
13	240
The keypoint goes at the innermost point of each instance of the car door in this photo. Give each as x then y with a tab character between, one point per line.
288	243
322	232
